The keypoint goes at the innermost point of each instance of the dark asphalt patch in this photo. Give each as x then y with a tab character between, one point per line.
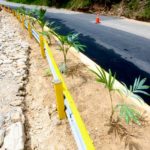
107	58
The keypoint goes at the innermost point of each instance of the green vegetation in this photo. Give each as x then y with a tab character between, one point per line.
36	2
75	4
126	111
108	81
47	72
122	111
138	87
66	42
129	113
137	9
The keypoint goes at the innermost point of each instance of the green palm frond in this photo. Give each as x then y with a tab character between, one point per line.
68	41
44	33
129	113
103	78
40	13
138	87
21	10
52	26
73	41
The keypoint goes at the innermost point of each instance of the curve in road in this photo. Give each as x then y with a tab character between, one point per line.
120	44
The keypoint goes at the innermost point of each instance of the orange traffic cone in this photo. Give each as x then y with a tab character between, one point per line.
98	20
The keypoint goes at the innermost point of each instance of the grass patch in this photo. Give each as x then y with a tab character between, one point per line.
76	4
35	2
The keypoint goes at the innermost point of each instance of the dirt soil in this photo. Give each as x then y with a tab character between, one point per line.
93	102
43	129
45	132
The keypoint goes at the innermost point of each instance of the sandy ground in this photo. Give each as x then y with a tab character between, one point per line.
93	102
43	129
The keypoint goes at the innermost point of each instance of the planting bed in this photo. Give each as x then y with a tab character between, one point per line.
93	102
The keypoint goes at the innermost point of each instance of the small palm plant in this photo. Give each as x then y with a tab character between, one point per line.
109	81
21	10
43	23
127	111
28	14
51	30
66	42
137	88
40	17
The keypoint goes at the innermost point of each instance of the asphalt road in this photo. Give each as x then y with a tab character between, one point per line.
122	45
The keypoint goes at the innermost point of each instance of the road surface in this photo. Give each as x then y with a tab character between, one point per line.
117	43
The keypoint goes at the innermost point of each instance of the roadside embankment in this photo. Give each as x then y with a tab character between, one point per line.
14	52
28	115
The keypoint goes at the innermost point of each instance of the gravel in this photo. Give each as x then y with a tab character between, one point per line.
14	54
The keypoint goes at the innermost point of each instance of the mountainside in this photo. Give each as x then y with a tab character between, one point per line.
136	9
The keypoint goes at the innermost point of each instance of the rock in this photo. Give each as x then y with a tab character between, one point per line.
21	93
7	61
17	116
14	57
2	134
53	109
16	103
1	62
2	119
14	139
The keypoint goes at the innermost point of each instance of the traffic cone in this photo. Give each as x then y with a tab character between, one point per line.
98	20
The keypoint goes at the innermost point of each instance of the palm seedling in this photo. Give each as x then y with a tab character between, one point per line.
21	10
127	111
108	81
40	17
66	42
43	23
137	88
27	14
51	30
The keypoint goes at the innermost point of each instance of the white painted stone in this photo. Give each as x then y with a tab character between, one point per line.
14	139
16	117
1	121
16	103
2	134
